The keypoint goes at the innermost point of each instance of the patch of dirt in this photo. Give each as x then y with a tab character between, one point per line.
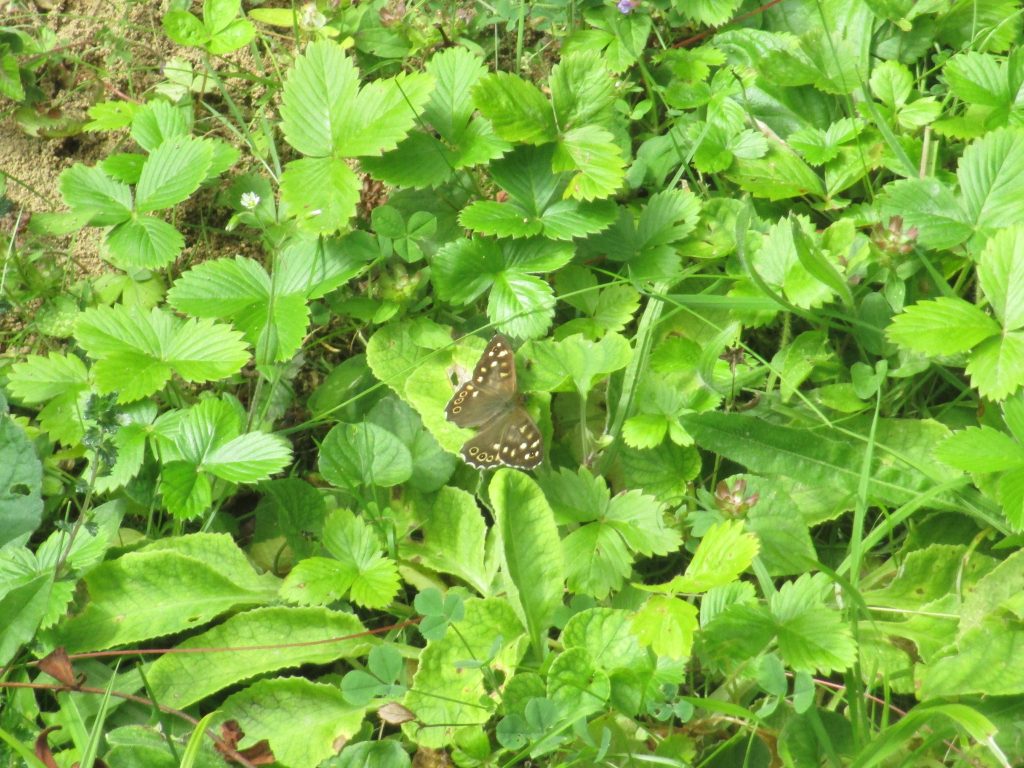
104	50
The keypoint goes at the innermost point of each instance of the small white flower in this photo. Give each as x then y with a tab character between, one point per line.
249	200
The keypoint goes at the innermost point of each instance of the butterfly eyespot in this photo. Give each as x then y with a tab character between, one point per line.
457	409
473	451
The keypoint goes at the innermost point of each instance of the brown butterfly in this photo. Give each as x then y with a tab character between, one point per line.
491	400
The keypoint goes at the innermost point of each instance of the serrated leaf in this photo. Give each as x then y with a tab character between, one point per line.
521	305
172	172
137	353
248	458
991	174
931	207
273	321
977	78
382	114
1001	274
811	636
21	475
184	29
582	90
144	242
322	192
516	108
942	326
996	366
374	578
668	625
592	152
981	449
37	379
500	219
320	86
723	554
91	190
454	535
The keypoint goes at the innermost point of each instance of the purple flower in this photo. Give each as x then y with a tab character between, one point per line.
628	6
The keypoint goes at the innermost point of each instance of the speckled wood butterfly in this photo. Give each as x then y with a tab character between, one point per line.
491	400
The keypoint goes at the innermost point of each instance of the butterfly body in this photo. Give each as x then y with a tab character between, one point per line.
491	401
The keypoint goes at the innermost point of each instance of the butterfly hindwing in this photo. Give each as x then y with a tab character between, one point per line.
490	400
512	441
492	389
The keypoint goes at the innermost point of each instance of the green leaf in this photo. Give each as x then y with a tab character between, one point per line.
144	242
364	454
273	320
981	449
380	754
811	636
324	113
446	691
248	458
38	379
516	108
320	86
942	326
382	114
587	362
21	475
1001	274
455	540
172	172
315	636
137	353
431	465
663	471
303	721
91	190
991	173
667	625
576	685
374	581
235	35
521	305
996	367
451	110
185	29
891	82
582	90
592	152
978	78
931	207
158	121
321	191
779	175
532	557
172	585
831	462
723	554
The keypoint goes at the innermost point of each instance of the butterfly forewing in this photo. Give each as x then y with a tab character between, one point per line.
512	441
490	392
490	399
